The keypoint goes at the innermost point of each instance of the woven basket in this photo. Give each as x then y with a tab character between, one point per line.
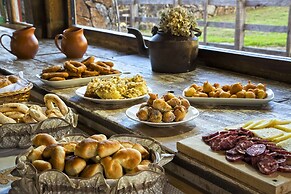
21	95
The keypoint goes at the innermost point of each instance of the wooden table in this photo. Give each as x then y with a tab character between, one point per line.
185	171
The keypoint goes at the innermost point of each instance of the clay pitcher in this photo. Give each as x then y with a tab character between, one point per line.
73	44
23	44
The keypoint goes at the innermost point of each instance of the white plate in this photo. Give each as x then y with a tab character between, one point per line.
230	101
191	114
81	93
73	82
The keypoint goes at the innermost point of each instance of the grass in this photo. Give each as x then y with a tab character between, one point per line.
277	16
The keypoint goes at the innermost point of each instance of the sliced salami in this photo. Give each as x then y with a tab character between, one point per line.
243	145
256	149
234	158
284	168
267	165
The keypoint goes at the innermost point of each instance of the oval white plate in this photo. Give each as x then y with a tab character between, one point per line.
81	93
73	82
230	101
191	114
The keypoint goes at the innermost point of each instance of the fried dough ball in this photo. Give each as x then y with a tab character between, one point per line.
196	87
225	88
190	92
241	94
211	94
249	86
174	102
168	96
168	117
261	86
233	96
155	115
185	103
161	105
180	113
207	87
261	94
250	94
224	95
152	98
234	88
216	85
143	113
202	94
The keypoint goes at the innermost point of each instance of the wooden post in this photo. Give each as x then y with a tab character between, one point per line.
133	13
205	18
239	24
56	15
14	11
288	47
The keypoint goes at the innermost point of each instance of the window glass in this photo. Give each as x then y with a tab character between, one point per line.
218	24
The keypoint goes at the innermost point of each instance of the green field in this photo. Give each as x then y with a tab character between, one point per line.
277	16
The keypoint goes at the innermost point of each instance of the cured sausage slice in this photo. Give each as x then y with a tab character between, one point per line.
256	149
267	165
284	168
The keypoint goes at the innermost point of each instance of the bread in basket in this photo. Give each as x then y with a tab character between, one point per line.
70	177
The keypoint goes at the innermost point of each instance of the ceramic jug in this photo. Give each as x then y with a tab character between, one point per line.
23	44
73	44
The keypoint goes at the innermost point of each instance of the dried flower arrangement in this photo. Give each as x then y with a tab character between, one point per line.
178	21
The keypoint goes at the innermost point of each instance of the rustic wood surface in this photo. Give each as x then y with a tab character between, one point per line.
110	119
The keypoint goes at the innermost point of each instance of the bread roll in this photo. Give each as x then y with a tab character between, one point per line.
99	137
112	168
128	158
70	147
142	150
57	160
107	147
91	169
126	144
87	148
48	151
74	165
43	139
36	153
41	165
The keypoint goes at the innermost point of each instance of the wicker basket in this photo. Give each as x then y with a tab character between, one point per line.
21	95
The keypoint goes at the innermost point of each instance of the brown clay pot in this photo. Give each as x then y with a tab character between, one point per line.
23	44
73	44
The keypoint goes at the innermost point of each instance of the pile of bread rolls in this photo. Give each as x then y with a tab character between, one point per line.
22	113
236	90
88	157
168	108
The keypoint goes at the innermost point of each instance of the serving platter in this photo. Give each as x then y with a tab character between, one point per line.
230	101
81	93
191	114
73	82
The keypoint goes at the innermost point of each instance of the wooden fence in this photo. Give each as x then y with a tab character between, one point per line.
239	25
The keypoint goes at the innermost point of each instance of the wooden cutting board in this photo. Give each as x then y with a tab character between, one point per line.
277	183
